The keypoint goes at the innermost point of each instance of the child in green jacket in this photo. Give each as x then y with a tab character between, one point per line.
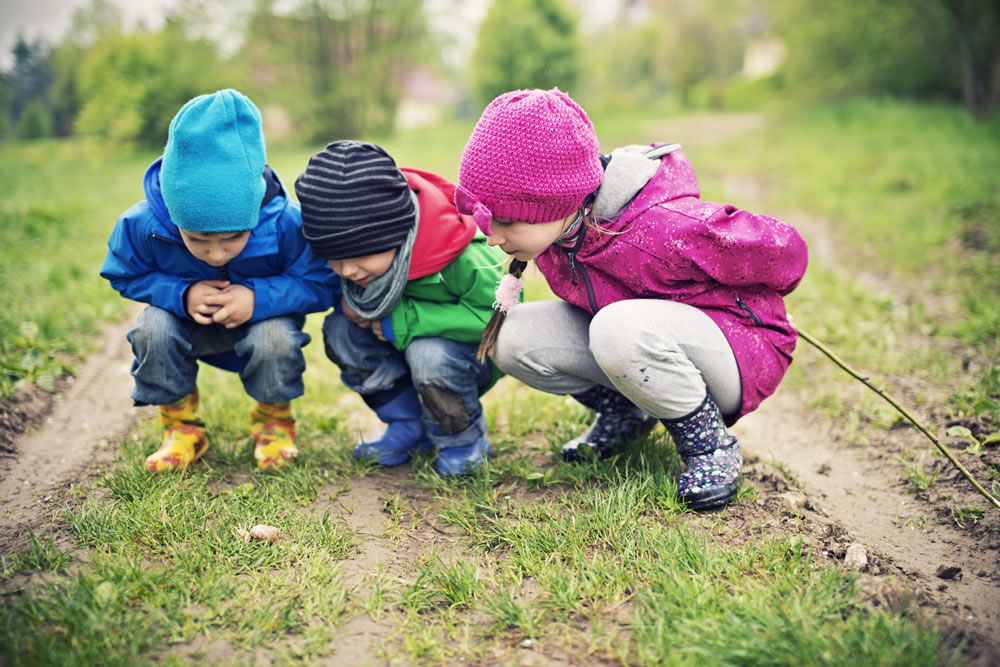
418	281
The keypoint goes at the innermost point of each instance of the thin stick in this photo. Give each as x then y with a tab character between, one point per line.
937	443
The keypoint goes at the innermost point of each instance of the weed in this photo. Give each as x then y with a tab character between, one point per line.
914	472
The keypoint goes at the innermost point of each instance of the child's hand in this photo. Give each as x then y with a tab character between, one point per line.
377	329
235	305
353	316
195	299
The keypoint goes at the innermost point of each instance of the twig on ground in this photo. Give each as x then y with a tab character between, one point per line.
889	399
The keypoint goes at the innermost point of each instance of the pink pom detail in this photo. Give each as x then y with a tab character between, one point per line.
508	293
483	216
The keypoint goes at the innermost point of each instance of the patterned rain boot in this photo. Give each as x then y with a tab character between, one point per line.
460	460
712	457
617	420
183	435
405	433
272	426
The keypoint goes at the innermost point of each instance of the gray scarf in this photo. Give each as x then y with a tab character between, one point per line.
381	295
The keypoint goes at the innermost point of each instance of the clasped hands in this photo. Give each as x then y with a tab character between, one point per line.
219	302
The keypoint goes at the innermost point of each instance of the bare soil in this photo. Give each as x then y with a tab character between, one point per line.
846	500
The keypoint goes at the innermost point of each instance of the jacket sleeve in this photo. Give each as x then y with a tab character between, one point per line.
306	285
127	268
740	248
472	279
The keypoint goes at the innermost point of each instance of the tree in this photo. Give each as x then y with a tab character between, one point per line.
526	44
342	62
926	49
977	37
131	85
30	76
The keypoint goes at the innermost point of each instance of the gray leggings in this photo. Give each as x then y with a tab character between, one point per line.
662	355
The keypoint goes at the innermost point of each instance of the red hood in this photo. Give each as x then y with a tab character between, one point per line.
443	233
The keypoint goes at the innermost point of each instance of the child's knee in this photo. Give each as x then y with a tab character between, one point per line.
156	328
275	338
445	406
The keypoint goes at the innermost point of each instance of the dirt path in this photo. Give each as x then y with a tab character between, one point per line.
71	442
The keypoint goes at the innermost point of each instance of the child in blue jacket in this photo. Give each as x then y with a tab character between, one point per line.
216	250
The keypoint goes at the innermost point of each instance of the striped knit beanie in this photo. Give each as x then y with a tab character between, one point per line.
532	157
355	201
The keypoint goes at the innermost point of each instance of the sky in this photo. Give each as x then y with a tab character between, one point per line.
50	19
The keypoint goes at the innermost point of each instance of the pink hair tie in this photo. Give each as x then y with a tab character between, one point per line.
508	293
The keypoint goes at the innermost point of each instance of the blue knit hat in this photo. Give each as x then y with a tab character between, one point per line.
212	173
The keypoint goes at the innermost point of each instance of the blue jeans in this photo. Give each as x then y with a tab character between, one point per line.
267	355
445	373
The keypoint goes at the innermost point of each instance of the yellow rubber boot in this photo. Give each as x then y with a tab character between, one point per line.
183	435
273	428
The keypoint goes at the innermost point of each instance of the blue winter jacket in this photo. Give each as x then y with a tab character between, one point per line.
147	260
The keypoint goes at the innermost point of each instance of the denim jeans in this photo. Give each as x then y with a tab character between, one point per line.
445	373
268	355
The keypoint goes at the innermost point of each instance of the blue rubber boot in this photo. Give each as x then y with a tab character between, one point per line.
404	436
712	456
460	460
617	419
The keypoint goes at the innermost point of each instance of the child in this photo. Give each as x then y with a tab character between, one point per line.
417	292
675	307
216	250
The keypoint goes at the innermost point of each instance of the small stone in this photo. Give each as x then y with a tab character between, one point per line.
949	572
527	643
856	557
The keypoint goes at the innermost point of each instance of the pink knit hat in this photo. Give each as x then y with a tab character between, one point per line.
533	157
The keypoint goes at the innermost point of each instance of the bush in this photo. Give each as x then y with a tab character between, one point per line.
526	44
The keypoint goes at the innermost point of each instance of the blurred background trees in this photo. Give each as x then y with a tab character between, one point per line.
326	69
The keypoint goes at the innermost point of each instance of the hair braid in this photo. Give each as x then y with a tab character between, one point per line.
492	331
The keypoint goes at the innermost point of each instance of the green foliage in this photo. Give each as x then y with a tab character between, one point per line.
526	44
341	61
54	223
35	121
894	47
131	85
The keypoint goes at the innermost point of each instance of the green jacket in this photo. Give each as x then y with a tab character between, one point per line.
454	303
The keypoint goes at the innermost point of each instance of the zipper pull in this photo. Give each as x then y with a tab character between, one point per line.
572	267
224	272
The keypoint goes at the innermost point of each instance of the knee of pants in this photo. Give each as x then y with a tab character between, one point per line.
616	348
156	330
277	338
335	335
431	357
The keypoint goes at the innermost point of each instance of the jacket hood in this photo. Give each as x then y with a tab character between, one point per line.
154	194
630	168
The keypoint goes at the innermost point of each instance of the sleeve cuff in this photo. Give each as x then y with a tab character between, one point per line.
387	331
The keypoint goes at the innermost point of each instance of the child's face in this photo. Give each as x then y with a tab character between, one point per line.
526	240
362	270
215	248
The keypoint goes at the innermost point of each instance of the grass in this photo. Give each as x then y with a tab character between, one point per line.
596	561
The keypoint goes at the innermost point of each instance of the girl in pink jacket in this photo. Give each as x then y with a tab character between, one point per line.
673	308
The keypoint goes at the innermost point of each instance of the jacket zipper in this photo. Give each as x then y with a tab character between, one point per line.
586	279
167	239
573	268
752	315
